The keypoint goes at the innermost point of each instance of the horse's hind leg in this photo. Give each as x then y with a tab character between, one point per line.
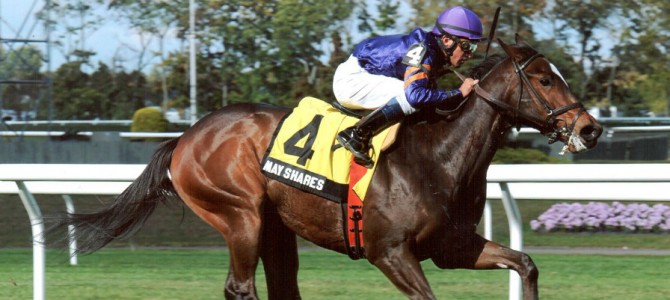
241	228
279	252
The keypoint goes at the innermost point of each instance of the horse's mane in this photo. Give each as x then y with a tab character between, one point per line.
480	70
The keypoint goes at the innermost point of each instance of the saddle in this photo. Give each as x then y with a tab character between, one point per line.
304	154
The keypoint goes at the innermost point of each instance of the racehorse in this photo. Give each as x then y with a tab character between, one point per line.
424	202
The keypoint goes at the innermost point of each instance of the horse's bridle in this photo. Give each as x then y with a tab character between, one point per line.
546	125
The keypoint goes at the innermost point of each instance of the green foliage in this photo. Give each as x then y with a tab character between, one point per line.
72	97
524	156
645	54
71	21
280	51
388	13
618	76
21	63
148	119
102	94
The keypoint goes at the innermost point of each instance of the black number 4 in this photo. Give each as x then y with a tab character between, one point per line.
306	152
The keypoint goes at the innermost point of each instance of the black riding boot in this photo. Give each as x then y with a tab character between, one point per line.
357	138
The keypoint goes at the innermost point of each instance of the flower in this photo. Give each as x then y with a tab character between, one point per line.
598	216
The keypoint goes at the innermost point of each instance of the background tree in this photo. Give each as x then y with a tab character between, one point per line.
72	22
152	19
298	37
22	63
71	97
103	81
279	51
643	56
577	22
622	48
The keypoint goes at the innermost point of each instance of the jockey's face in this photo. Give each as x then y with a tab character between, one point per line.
463	51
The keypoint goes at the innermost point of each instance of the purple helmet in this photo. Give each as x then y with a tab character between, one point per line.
459	21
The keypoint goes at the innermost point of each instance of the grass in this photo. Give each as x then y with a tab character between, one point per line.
199	274
120	273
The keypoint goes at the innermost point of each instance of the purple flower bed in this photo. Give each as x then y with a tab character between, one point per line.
603	217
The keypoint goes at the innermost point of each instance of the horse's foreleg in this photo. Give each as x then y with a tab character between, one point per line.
485	255
279	252
403	269
496	256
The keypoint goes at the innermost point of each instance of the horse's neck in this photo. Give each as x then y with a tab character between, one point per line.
481	130
467	143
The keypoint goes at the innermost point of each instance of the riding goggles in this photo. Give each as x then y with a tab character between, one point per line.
468	46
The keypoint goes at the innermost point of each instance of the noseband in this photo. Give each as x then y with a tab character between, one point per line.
547	125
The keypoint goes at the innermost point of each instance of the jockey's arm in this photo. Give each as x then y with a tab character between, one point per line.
420	94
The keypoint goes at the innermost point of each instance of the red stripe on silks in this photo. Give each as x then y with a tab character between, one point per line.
354	204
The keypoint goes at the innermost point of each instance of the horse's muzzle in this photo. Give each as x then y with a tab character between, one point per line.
590	134
585	139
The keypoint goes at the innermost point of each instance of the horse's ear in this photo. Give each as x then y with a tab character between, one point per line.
505	47
512	51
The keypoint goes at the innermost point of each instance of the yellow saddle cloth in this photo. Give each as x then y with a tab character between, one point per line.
305	154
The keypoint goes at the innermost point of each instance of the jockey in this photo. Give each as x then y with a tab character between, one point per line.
396	75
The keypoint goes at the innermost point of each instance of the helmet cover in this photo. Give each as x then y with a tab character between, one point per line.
459	21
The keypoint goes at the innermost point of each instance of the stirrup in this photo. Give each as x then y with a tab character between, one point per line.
360	157
365	161
350	142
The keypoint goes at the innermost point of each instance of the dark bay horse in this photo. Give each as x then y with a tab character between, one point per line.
425	200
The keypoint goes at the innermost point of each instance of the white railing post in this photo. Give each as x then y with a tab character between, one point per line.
72	241
37	226
488	221
515	236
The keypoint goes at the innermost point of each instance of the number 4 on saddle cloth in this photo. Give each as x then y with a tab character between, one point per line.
305	154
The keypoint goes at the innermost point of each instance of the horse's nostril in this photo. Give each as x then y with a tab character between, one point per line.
590	132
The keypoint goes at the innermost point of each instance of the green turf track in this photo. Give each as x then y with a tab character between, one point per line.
199	274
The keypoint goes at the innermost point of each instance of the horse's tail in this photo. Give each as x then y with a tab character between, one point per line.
129	210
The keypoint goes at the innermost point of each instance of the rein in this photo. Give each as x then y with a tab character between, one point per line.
516	112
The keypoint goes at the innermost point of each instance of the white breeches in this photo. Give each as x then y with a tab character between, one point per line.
355	88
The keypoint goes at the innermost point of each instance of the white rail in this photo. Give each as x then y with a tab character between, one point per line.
127	135
29	179
614	182
639	182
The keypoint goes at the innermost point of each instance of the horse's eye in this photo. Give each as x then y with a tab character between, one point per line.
545	81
